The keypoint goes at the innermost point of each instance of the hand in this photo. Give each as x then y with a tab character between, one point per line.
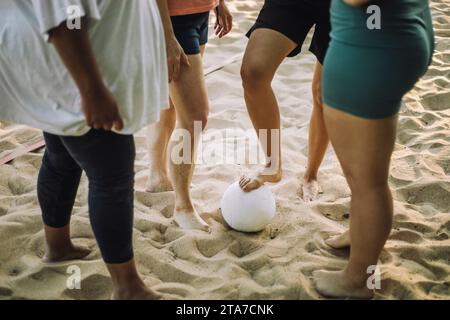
175	58
101	110
224	20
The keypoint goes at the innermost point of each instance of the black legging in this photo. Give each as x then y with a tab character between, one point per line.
108	160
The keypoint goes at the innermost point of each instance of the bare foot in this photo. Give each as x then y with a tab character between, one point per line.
256	181
334	284
71	253
189	219
340	241
158	182
139	293
311	190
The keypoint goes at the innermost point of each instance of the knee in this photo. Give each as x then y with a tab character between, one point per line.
114	181
254	76
117	189
196	120
169	117
203	118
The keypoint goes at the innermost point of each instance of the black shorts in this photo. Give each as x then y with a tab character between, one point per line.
294	19
191	31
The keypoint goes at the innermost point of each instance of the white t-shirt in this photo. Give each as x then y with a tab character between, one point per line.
37	90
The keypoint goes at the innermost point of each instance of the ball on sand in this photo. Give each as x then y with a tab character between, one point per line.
248	212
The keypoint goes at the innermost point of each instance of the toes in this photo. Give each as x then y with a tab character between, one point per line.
311	191
339	241
245	185
191	221
331	241
318	280
307	196
243	181
248	187
253	184
316	274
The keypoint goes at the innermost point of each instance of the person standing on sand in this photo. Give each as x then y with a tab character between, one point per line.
366	74
280	32
189	103
102	76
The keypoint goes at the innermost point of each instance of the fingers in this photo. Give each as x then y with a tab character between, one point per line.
185	60
107	126
216	25
118	123
229	23
101	111
175	59
220	26
176	68
243	182
224	24
107	123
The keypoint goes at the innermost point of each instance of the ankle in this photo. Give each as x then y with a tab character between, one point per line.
272	169
125	289
184	206
310	176
355	279
157	171
60	247
127	280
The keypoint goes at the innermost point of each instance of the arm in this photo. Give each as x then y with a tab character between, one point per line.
175	54
224	19
98	104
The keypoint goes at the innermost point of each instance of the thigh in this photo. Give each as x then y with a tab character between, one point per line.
103	154
364	147
370	82
188	93
265	51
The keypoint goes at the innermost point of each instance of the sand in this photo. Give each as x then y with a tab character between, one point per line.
276	263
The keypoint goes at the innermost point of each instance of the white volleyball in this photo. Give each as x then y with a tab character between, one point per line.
248	211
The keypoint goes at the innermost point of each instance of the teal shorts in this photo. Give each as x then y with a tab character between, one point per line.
366	73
